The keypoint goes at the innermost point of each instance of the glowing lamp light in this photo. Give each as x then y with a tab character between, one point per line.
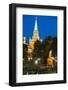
36	62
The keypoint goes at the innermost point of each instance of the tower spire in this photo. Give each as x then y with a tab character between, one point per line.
35	33
35	27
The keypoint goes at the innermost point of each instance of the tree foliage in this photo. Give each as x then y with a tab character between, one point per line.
25	48
41	49
37	49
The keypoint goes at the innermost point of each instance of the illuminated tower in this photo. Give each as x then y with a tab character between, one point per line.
33	40
35	35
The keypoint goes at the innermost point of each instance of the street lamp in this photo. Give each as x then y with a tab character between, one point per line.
36	62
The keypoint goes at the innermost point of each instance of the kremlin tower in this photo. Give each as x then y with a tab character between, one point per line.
32	40
35	36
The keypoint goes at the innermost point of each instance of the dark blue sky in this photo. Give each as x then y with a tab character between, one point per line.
47	26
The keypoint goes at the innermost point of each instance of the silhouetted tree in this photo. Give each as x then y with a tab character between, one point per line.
25	48
54	46
46	44
37	49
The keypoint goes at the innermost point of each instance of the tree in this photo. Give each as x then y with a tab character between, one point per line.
54	46
37	49
47	44
25	48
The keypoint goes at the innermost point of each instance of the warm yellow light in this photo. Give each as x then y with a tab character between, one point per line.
31	45
49	61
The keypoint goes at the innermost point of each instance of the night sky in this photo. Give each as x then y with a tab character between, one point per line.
47	26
